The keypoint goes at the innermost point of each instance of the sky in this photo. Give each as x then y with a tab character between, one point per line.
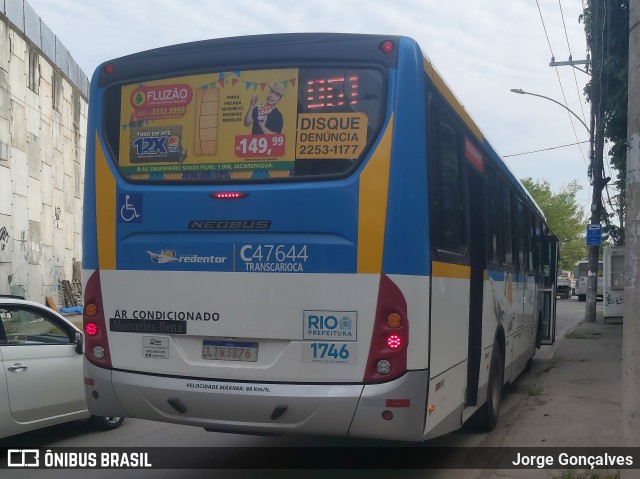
482	48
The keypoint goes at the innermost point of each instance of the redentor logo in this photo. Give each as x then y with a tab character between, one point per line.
161	95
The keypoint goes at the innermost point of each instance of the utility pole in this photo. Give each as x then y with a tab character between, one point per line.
596	150
597	147
631	325
572	63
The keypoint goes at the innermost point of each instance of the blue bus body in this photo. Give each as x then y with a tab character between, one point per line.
331	295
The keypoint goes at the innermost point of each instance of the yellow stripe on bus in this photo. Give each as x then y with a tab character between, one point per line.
449	270
105	211
372	215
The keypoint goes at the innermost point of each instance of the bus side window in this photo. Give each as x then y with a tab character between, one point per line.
523	230
532	241
493	226
537	234
545	260
507	236
448	192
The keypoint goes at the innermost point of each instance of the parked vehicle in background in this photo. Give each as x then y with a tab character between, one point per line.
582	270
564	288
41	380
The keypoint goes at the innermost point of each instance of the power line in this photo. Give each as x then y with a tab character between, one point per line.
564	96
575	79
545	28
545	149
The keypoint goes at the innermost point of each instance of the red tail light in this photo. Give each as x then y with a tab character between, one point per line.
388	354
387	46
394	342
94	324
91	329
228	195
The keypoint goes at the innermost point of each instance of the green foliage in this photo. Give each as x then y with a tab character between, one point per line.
565	218
609	44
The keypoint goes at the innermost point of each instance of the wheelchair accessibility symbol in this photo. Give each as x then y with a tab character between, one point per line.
130	207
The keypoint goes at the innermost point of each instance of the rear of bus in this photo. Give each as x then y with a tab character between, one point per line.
245	268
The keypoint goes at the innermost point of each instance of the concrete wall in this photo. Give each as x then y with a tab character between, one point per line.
43	121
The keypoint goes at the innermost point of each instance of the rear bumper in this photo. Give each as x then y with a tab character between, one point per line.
353	410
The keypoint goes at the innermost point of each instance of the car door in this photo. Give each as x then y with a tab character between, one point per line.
42	368
6	422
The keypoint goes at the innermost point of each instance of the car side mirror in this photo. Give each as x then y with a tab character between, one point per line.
79	340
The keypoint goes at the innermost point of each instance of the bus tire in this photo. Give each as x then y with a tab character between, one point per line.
489	412
528	366
539	332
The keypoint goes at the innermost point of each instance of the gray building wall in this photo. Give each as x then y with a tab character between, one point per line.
43	122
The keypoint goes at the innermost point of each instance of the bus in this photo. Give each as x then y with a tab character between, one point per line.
303	233
582	273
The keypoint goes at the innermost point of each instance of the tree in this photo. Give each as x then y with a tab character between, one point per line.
609	44
566	219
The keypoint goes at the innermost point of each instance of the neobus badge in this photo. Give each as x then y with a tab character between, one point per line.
330	325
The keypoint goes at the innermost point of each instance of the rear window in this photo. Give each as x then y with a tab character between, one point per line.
583	270
290	123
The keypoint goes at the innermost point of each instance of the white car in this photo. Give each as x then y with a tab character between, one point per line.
41	379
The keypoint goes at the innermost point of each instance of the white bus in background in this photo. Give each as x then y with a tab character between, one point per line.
582	270
613	299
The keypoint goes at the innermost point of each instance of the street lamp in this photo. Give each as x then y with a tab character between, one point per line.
598	185
520	91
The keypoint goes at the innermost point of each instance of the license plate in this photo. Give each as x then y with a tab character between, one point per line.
230	351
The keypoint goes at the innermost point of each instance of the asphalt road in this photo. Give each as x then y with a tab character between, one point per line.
138	434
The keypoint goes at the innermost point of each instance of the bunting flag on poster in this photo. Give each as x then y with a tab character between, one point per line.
221	79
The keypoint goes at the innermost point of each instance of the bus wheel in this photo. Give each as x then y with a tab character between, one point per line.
528	365
488	414
539	333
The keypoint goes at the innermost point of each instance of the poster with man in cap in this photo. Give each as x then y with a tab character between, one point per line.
266	119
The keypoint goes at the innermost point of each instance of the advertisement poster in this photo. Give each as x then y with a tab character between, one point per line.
227	124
